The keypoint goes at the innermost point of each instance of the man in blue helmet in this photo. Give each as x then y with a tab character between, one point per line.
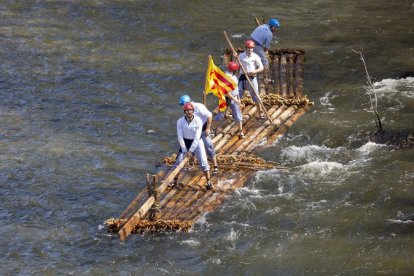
206	117
262	36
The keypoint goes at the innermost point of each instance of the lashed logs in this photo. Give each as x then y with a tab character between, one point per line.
287	71
283	75
286	67
130	224
211	201
275	64
253	132
279	132
177	202
188	200
299	75
166	202
290	76
234	129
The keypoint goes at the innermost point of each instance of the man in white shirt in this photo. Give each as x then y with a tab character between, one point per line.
253	65
206	117
189	128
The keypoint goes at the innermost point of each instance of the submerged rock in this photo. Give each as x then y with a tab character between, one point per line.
401	139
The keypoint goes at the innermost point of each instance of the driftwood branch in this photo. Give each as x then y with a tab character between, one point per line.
374	107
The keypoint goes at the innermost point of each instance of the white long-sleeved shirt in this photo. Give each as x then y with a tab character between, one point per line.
201	111
190	130
251	63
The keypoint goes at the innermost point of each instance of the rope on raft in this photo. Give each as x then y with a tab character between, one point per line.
247	162
276	99
147	227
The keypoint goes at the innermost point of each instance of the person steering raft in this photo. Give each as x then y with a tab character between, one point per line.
189	128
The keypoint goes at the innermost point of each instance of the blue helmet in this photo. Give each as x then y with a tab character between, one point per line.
184	99
274	23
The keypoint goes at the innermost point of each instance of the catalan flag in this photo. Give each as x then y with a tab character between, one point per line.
218	83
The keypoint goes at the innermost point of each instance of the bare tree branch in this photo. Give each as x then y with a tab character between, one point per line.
372	92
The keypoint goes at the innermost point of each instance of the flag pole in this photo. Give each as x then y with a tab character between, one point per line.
247	78
205	92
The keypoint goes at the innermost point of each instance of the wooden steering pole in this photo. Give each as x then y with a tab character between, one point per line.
247	77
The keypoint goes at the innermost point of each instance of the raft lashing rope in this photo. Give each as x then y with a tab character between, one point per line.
148	227
228	162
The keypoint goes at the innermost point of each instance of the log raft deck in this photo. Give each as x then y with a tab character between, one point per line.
161	208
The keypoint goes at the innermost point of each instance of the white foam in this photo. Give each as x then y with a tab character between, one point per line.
400	221
250	191
273	211
309	152
232	235
237	35
369	147
202	220
318	169
326	100
317	204
394	86
192	243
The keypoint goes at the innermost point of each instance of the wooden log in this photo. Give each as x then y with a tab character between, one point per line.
253	132
181	207
234	129
276	74
232	137
249	110
280	120
200	205
283	75
235	185
134	205
251	125
272	138
132	222
219	126
172	192
229	144
291	81
209	200
177	201
299	75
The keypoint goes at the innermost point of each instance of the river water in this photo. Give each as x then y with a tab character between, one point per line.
88	106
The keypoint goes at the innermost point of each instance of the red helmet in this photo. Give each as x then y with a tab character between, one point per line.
233	66
188	106
250	44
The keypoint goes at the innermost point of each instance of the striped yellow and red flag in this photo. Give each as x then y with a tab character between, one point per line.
218	83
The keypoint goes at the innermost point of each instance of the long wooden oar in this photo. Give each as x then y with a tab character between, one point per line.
247	77
133	221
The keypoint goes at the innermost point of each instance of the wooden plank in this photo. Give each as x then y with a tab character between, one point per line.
132	222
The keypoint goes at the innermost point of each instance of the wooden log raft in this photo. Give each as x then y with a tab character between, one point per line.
177	209
162	208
